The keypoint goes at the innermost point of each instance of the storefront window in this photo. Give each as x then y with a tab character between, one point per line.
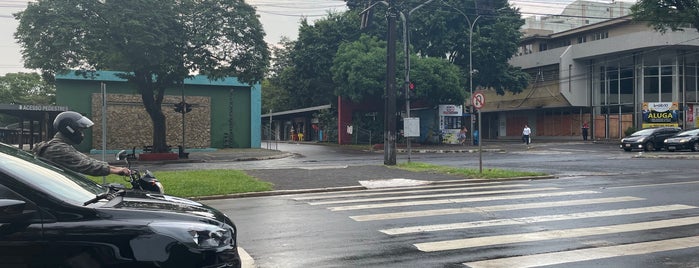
690	80
651	89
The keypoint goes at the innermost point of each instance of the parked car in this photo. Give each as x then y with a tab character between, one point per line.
650	139
50	217
685	140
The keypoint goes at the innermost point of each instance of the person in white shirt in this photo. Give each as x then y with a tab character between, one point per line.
525	134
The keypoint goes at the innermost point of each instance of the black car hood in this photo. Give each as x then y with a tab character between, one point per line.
142	201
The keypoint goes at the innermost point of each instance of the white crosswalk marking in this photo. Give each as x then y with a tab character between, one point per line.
458	200
392	206
430	196
528	220
554	234
589	254
436	212
403	191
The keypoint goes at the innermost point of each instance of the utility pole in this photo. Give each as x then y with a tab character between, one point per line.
405	16
390	104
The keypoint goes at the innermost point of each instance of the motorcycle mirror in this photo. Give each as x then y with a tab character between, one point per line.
121	155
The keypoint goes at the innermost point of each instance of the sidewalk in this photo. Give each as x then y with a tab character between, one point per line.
341	178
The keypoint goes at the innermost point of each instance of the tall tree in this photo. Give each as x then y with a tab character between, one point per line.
667	14
309	79
156	44
442	29
26	88
359	71
275	96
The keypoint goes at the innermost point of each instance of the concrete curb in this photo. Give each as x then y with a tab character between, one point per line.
359	188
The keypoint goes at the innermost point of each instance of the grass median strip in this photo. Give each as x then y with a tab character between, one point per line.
195	183
490	173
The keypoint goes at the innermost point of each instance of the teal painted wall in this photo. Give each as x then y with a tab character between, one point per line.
228	98
256	116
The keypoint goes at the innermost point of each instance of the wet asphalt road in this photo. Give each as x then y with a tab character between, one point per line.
606	208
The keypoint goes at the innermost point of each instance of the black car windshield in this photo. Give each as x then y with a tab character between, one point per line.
644	132
688	133
67	186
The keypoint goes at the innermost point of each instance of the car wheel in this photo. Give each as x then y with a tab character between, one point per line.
695	147
649	146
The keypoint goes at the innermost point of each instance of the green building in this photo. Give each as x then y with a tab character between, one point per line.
224	113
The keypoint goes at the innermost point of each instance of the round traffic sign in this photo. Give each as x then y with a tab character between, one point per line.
478	100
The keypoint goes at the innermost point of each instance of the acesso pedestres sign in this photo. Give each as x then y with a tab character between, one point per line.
450	110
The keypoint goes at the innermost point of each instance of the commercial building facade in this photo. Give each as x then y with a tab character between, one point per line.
602	74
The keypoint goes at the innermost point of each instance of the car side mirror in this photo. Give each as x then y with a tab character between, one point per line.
12	211
121	155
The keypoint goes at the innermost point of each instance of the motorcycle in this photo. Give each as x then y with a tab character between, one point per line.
145	181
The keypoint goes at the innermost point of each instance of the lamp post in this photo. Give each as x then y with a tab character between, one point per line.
405	16
471	71
470	68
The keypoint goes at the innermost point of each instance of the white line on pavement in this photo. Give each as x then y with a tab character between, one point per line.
430	196
587	254
246	260
553	234
402	190
527	220
457	200
437	212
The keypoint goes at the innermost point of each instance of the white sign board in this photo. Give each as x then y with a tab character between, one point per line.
411	127
450	110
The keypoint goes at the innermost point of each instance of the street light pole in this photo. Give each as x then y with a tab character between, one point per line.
470	68
471	71
405	16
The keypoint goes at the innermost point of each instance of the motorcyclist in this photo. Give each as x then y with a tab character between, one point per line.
61	151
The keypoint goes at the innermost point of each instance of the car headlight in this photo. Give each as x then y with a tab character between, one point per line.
195	234
684	140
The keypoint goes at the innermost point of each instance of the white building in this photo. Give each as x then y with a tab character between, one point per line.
600	73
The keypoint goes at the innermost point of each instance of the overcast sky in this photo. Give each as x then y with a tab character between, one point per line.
279	18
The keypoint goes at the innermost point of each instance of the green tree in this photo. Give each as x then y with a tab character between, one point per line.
308	77
440	29
157	44
359	71
667	14
275	95
24	88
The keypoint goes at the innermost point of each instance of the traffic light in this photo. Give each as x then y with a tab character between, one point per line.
178	107
411	90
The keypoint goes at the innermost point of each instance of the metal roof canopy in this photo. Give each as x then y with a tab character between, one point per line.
31	112
298	111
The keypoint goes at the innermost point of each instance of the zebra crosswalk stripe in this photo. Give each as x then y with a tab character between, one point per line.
436	212
458	200
360	200
587	254
553	234
528	220
403	191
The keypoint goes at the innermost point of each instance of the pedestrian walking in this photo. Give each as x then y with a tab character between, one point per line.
585	128
462	135
526	132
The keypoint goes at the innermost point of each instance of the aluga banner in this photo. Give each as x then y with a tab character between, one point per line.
660	114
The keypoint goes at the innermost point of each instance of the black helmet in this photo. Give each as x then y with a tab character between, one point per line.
71	124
